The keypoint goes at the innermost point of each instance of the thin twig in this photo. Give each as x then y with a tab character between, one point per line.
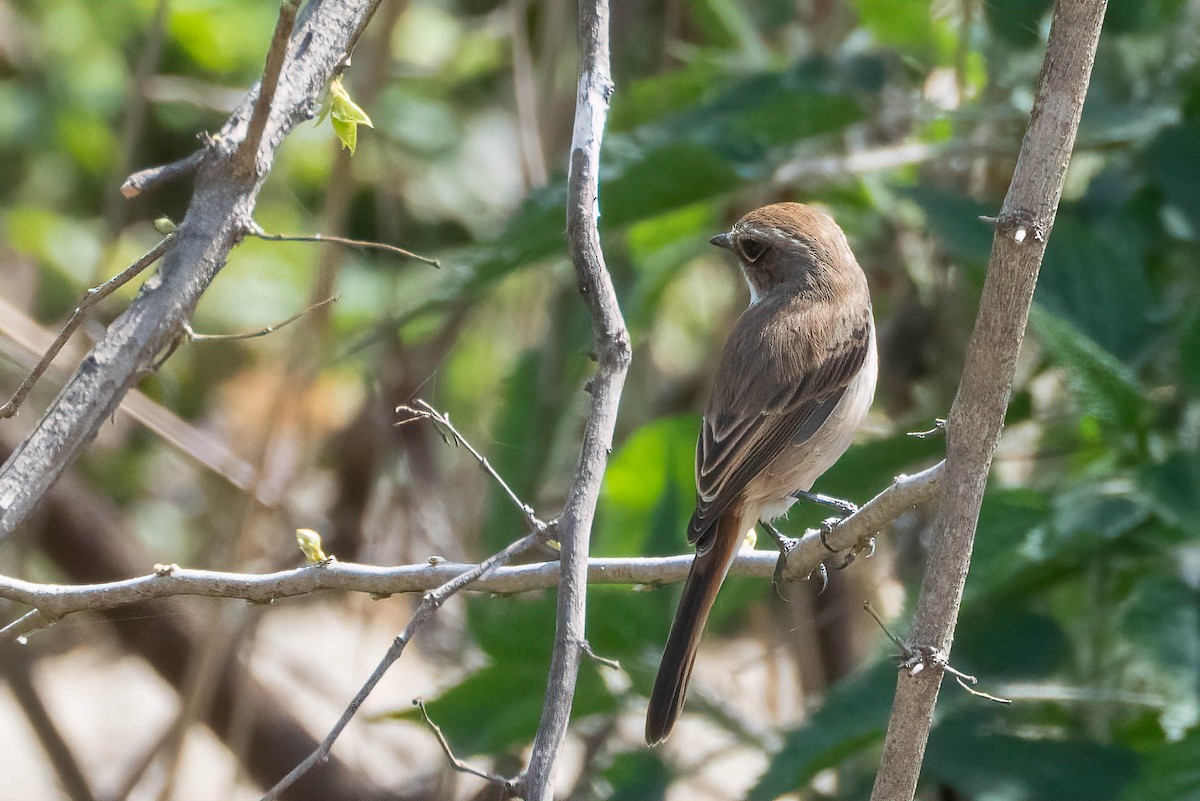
142	180
455	762
904	650
247	154
91	298
589	652
429	604
613	352
262	332
423	411
916	659
363	244
939	429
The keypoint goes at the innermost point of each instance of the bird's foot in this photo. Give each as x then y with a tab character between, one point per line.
785	544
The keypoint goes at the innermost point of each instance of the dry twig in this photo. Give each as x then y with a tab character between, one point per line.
361	244
90	299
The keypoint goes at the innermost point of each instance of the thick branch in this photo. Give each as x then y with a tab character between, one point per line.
976	418
218	216
613	353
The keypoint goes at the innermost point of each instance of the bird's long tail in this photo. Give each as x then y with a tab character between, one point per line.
699	591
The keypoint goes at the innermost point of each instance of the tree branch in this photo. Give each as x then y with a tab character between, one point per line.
429	604
977	416
52	602
246	160
217	218
613	352
90	298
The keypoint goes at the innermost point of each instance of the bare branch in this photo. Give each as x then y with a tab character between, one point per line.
1023	225
455	762
52	602
905	492
246	159
142	180
613	354
91	298
218	216
429	604
262	332
361	244
423	411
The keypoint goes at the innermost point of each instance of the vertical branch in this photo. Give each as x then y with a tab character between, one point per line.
613	354
976	418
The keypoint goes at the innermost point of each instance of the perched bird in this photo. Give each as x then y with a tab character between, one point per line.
795	381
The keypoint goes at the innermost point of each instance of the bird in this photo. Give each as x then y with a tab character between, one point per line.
794	383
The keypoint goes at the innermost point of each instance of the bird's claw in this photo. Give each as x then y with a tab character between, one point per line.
827	527
823	572
868	546
785	544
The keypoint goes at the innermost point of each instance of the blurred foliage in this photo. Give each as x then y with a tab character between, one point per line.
1083	603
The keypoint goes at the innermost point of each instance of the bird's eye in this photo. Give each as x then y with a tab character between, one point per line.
752	248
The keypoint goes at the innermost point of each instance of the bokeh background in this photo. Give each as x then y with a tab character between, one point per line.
902	118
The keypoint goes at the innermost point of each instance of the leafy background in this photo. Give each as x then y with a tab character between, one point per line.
902	118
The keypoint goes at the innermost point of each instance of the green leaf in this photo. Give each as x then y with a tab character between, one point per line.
1173	490
1010	544
852	717
516	435
346	132
1019	23
345	115
649	490
954	220
1170	772
1173	162
1104	387
910	25
1044	649
1162	620
498	708
1092	276
637	776
966	753
662	179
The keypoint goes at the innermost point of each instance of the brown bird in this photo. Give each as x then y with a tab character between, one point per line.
795	381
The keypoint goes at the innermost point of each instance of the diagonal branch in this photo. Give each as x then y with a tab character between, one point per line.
429	604
1024	225
91	298
220	212
247	152
613	354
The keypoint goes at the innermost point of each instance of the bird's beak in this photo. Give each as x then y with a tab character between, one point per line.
722	241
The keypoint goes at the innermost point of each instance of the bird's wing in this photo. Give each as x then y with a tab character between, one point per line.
734	447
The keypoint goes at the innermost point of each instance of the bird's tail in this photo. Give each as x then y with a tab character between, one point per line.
699	591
